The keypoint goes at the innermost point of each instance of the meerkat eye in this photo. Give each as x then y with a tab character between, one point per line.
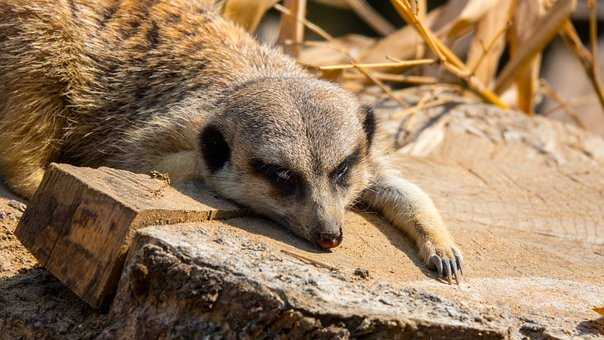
341	174
286	180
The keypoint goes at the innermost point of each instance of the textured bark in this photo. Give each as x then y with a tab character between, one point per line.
80	222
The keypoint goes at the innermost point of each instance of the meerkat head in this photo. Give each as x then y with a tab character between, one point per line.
294	150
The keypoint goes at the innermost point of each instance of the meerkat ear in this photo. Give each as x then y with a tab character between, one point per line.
214	148
369	124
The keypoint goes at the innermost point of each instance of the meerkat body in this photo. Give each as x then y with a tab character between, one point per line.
169	85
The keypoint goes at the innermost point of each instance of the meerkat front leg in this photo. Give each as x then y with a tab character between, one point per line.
409	208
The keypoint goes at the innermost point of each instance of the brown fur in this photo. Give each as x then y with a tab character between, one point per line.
162	84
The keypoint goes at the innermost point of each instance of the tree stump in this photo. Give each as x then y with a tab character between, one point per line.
80	222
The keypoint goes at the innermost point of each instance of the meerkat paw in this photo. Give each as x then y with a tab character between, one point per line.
444	257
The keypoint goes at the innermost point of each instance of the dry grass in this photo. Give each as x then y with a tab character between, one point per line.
396	64
414	53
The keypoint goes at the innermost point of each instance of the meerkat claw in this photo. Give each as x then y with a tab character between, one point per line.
456	270
437	263
448	272
448	268
459	259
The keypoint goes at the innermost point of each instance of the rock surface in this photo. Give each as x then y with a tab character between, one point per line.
224	284
527	274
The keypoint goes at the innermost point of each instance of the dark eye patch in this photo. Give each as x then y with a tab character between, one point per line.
341	174
286	181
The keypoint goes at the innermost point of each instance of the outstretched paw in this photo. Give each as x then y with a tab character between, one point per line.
445	259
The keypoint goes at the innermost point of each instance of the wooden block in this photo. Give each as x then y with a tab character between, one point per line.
80	222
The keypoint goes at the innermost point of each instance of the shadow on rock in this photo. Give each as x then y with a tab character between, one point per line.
266	228
397	238
592	327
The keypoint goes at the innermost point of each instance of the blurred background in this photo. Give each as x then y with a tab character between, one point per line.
556	78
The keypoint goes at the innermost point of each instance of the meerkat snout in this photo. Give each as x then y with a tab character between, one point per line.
328	238
327	213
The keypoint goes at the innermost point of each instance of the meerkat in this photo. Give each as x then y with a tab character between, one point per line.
171	86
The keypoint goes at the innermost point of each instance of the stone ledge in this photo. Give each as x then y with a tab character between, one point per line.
199	279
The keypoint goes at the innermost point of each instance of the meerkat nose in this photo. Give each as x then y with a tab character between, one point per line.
329	240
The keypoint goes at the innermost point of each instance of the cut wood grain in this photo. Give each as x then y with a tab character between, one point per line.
79	223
